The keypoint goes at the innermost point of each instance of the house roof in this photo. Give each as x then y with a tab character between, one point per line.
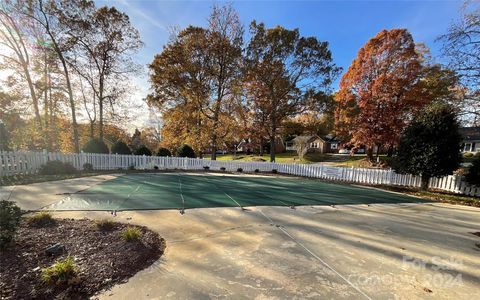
470	133
331	138
305	138
310	138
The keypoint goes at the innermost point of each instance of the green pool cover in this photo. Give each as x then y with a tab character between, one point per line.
184	191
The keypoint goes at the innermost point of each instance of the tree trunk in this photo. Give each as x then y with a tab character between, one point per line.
425	181
45	106
214	153
390	151
100	108
92	129
214	139
370	153
261	147
100	118
272	149
76	144
36	110
59	53
272	140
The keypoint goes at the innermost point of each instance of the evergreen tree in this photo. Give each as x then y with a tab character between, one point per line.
430	145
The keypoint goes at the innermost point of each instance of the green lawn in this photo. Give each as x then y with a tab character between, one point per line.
439	196
287	157
358	161
361	161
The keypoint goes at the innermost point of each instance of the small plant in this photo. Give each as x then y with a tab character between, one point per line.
40	219
164	152
274	171
121	148
96	145
468	154
131	234
185	151
88	167
10	215
104	224
155	167
131	168
222	169
143	150
55	167
257	171
239	170
60	272
473	174
206	168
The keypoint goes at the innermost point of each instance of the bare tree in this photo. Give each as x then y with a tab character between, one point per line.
107	42
48	14
461	45
13	37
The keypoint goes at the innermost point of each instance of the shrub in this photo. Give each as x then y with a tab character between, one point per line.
88	167
104	224
222	169
60	272
143	150
56	167
40	219
131	234
164	152
436	127
10	215
473	174
274	171
257	171
185	151
206	168
477	154
121	148
95	146
155	167
68	168
239	170
468	154
131	168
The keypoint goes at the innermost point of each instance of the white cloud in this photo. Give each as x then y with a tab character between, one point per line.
143	15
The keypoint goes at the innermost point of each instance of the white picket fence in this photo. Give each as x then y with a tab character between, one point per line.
22	162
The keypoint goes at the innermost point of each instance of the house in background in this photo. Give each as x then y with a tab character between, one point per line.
471	139
314	143
248	147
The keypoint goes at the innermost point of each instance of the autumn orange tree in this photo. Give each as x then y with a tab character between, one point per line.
197	78
286	75
380	91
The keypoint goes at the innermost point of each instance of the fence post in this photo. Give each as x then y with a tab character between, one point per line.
83	160
45	156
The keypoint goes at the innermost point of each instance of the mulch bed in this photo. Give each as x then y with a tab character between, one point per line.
103	259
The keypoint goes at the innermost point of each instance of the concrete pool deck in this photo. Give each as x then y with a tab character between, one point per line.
393	251
362	251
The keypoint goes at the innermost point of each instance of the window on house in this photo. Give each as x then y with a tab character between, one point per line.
313	145
467	147
334	146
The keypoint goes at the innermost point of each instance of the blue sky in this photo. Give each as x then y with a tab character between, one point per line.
346	25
